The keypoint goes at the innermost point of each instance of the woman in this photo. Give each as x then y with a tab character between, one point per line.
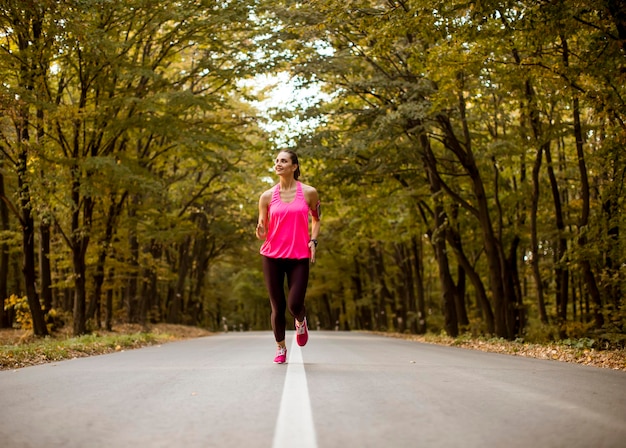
284	225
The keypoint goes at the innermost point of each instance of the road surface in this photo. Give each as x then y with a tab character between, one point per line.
341	390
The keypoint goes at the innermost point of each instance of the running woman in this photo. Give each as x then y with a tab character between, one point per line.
287	250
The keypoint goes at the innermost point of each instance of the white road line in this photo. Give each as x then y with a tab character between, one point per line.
294	426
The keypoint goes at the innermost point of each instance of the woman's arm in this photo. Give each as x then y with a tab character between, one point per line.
261	227
313	200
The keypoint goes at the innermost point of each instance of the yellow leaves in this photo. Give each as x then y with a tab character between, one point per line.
22	311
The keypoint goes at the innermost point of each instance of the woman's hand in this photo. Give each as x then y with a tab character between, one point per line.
264	203
312	249
260	231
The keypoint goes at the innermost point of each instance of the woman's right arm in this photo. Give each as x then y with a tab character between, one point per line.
261	227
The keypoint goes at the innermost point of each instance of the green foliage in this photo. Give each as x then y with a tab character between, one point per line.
145	157
140	134
582	343
395	70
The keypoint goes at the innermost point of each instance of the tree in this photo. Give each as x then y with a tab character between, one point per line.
488	89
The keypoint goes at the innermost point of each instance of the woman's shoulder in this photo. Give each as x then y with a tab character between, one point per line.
307	188
266	196
310	193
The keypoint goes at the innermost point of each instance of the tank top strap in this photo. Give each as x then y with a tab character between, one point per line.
299	191
276	193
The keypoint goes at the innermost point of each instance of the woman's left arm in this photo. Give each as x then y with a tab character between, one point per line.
313	201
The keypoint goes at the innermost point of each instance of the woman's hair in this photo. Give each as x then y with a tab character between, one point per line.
294	160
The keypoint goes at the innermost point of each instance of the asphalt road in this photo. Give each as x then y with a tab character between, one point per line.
341	390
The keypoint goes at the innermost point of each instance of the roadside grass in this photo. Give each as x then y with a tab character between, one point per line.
20	349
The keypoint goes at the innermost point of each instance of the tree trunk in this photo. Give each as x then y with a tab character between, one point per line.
28	244
98	281
590	280
152	293
583	223
115	209
372	291
333	323
177	306
405	313
535	124
481	294
363	311
344	312
419	283
79	241
200	266
29	70
108	317
612	254
44	229
132	286
4	251
445	278
517	312
150	312
80	323
493	251
438	242
384	298
412	325
534	240
561	272
459	290
44	265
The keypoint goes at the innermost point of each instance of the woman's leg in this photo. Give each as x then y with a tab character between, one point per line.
297	281
274	274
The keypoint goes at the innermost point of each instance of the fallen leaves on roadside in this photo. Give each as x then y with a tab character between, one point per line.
20	349
608	359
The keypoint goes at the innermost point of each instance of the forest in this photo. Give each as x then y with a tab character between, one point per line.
470	159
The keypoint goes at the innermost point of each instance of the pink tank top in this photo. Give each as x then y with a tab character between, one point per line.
288	227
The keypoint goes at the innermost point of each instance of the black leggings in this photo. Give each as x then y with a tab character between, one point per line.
297	272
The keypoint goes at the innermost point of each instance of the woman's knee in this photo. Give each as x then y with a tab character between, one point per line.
297	309
278	307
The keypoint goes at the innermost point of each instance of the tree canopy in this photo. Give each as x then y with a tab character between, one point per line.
469	157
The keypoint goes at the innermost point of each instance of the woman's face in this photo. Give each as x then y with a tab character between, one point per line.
284	165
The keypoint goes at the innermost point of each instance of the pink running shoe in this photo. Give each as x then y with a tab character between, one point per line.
281	355
302	333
